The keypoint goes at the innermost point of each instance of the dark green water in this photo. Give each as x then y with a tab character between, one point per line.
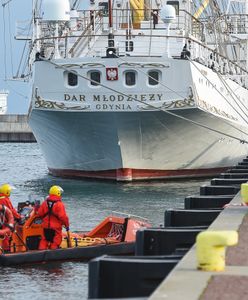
87	203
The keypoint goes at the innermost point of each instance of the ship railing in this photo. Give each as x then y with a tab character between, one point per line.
149	45
78	36
124	19
90	24
141	38
233	23
184	23
79	33
140	43
179	44
217	62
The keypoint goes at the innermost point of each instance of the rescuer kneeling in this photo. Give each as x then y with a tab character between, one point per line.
53	214
6	227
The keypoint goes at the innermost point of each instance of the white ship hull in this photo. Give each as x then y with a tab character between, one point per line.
156	106
136	145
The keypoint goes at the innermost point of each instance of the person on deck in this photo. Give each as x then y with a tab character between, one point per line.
53	214
5	192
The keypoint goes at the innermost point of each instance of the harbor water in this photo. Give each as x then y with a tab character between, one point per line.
87	203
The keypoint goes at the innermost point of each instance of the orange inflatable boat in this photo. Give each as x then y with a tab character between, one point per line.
114	235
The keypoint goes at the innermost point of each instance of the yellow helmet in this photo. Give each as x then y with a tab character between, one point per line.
6	189
56	190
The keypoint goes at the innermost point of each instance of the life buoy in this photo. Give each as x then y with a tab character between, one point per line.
7	221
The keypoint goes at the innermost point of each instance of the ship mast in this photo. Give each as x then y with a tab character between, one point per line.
246	21
110	16
111	51
36	31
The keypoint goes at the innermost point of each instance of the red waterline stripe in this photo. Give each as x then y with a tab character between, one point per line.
128	174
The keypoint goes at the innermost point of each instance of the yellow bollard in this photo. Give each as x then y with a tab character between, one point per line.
211	249
244	193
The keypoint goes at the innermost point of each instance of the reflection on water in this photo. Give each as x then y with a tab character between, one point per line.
45	281
87	203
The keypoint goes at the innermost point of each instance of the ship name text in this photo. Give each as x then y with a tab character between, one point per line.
113	102
115	98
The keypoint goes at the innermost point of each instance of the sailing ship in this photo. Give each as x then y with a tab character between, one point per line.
139	89
3	101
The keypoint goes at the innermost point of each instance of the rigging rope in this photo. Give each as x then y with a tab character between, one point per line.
22	56
4	47
5	3
149	105
232	94
10	43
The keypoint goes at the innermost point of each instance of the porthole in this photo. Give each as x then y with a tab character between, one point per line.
95	77
72	79
153	77
130	78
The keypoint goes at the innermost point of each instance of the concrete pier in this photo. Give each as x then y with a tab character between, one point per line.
15	129
186	282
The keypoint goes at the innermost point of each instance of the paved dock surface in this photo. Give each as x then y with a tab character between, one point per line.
187	283
15	128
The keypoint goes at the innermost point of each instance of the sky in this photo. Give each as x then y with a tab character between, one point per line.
11	51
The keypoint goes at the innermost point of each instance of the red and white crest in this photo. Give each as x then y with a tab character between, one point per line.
112	73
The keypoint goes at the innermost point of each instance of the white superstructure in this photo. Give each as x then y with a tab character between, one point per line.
139	89
3	101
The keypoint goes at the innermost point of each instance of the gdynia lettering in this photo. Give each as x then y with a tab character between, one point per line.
113	107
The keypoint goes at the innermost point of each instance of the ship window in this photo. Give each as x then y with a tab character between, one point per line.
130	78
95	76
104	7
72	79
175	4
153	77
